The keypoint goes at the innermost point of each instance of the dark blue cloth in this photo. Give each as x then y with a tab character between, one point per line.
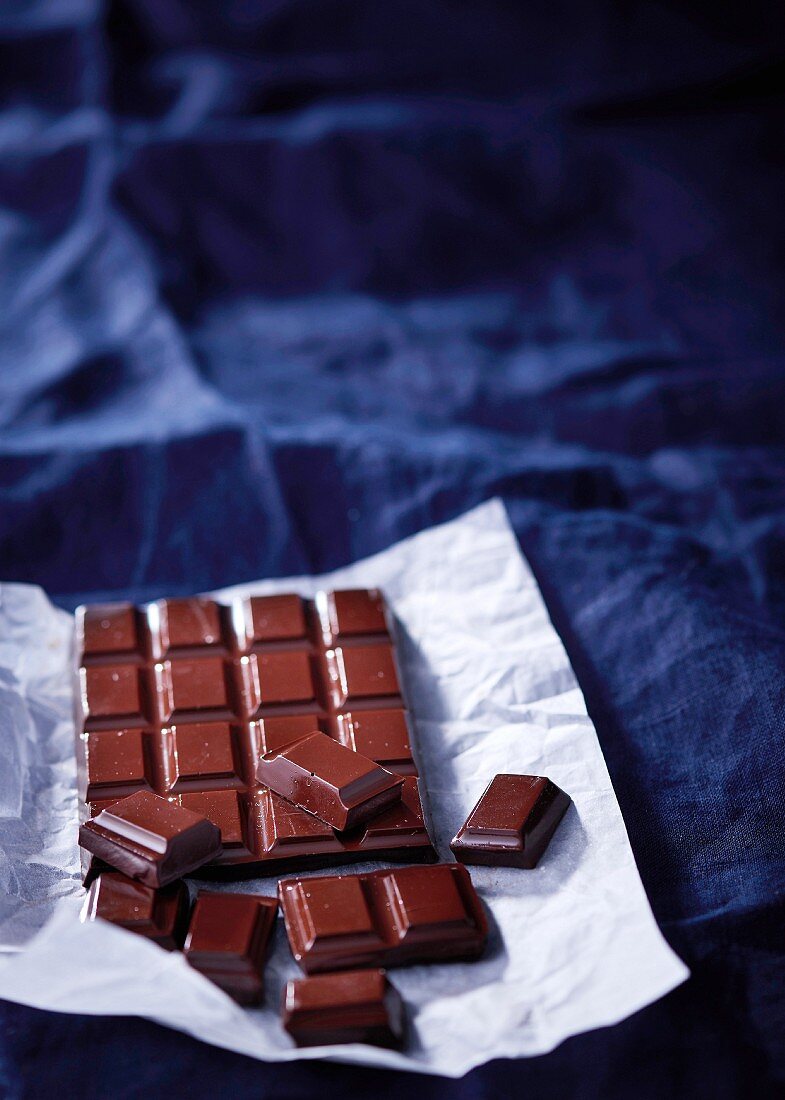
283	282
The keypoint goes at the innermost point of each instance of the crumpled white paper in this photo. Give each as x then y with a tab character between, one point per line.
573	943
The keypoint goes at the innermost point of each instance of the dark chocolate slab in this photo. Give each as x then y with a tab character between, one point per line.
182	698
151	839
338	785
159	915
383	918
228	941
356	1006
512	823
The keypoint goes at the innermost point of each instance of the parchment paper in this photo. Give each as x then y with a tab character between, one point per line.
573	943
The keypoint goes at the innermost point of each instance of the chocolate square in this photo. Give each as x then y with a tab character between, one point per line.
228	810
228	942
358	1006
276	618
108	629
285	676
115	762
208	754
362	673
186	623
113	692
196	685
354	611
288	830
381	735
416	909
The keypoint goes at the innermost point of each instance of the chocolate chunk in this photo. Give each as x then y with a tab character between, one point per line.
150	839
327	779
183	697
160	915
357	1006
383	918
512	823
228	942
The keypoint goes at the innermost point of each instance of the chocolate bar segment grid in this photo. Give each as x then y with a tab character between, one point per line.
182	696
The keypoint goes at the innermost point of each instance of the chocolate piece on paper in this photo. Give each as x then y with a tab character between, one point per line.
512	823
383	918
183	697
159	915
228	942
320	775
151	839
356	1006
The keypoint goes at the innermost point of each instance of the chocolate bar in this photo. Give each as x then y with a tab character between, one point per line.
512	823
150	839
182	697
228	942
383	918
159	915
340	786
357	1006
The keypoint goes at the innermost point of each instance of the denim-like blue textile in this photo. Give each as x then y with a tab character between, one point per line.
283	282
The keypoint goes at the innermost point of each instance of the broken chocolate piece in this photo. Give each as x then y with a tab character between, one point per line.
327	779
383	918
228	942
356	1006
512	823
150	839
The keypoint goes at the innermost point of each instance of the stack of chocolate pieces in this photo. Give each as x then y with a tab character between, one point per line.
264	735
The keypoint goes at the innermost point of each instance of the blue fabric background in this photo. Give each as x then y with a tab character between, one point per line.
283	282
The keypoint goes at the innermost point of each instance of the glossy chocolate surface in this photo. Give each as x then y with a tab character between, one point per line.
383	918
513	822
182	697
228	942
356	1006
160	915
339	786
151	839
299	840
